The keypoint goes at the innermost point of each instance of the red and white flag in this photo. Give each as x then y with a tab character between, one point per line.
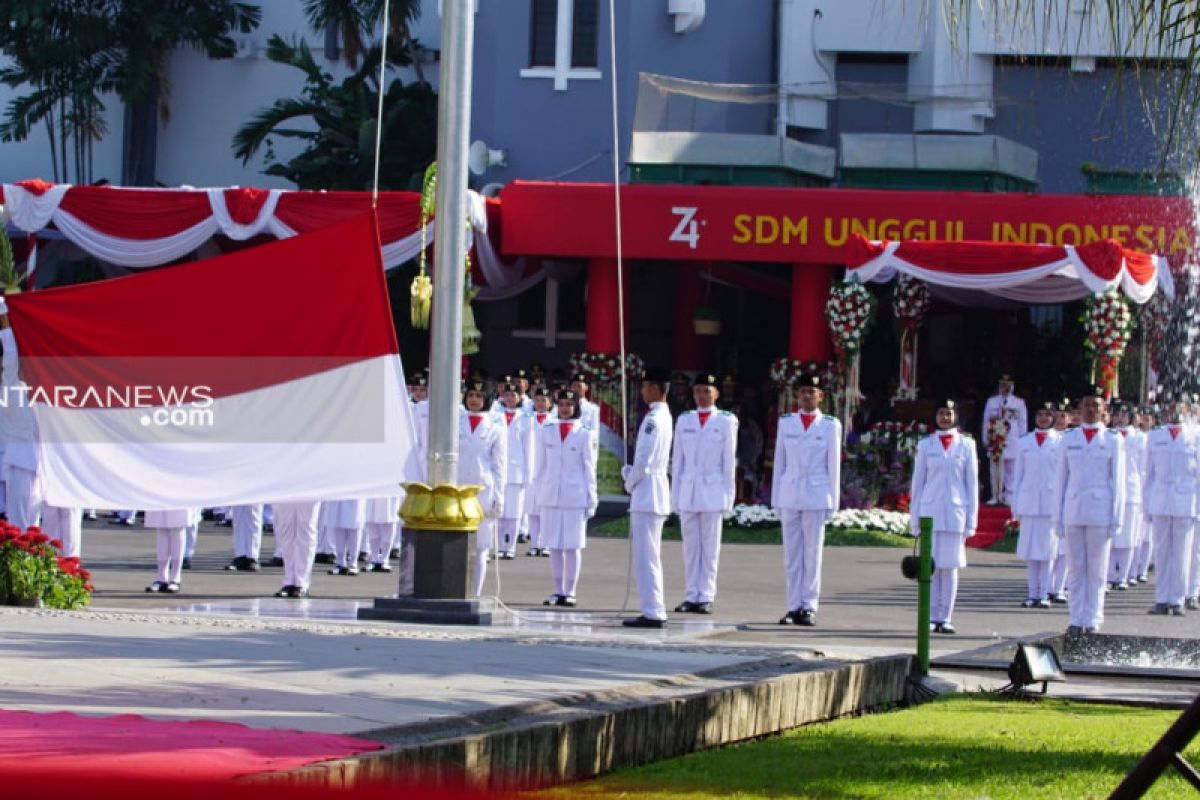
271	374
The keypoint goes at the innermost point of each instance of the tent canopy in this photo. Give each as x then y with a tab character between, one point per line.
1027	273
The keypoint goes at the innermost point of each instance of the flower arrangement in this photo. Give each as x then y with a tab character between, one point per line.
32	572
1012	527
604	369
894	522
999	426
1107	325
748	516
849	311
877	468
785	371
910	302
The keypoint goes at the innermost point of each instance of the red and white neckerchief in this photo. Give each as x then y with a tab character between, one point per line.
807	419
474	419
1174	430
564	429
1041	437
946	439
508	416
1089	433
704	415
541	417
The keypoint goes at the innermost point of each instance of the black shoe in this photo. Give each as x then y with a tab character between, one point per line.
1074	630
807	618
249	565
686	607
325	558
299	593
552	600
364	557
237	565
286	591
1192	603
1177	611
171	588
395	554
157	586
187	563
935	627
644	622
702	608
380	568
567	600
531	552
268	527
522	538
275	561
508	556
544	552
946	627
341	571
790	617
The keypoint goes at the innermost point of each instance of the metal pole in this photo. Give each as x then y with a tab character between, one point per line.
450	240
923	580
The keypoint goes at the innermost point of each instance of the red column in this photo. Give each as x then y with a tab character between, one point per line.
810	333
602	336
692	352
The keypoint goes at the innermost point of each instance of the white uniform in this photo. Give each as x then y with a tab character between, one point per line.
1091	506
649	505
296	532
519	428
1033	500
533	518
483	461
382	517
247	531
1169	498
565	486
996	405
806	488
945	487
1129	536
703	487
345	520
418	470
171	529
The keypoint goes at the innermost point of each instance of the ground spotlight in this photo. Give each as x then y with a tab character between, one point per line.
1034	663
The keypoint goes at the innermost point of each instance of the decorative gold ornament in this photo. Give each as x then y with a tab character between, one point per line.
422	299
471	334
442	508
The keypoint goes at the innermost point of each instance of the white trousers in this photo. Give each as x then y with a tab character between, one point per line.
645	541
943	590
1145	554
325	537
381	536
534	522
507	530
296	533
1119	564
1038	576
170	554
564	567
1193	584
191	532
1058	574
1087	564
803	540
66	525
347	544
24	496
485	540
1172	553
247	530
701	554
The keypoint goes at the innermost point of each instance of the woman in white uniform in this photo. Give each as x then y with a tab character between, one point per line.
518	425
565	484
1033	498
543	412
171	529
945	487
1129	537
482	461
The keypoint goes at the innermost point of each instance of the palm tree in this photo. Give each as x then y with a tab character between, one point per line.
355	22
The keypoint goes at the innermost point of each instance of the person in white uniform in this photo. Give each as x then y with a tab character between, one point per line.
1169	498
518	426
296	531
1064	420
1091	507
945	487
247	537
806	488
542	413
170	528
405	551
346	519
381	521
565	484
1143	561
650	499
482	461
703	487
1004	404
1129	536
1033	498
589	412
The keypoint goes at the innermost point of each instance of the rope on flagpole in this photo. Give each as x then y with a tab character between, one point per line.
379	113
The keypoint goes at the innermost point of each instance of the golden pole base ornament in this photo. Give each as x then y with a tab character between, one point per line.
422	301
441	508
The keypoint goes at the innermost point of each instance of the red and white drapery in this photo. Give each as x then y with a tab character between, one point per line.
138	228
1028	273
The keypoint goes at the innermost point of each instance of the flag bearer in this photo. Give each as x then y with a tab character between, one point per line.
296	531
171	530
483	461
703	487
518	425
1035	473
542	414
1129	537
1170	500
945	486
805	490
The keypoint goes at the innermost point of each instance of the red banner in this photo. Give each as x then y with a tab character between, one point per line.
738	223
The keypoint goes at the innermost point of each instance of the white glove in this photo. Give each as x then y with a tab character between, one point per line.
3	305
591	512
626	471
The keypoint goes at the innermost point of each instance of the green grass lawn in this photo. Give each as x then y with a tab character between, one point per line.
956	747
618	528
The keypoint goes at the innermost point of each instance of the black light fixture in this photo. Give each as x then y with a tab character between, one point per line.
1034	663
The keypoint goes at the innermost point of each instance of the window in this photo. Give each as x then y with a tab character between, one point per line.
564	41
556	312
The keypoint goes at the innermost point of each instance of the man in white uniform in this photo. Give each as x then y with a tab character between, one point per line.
806	488
296	530
1004	404
1170	500
650	499
247	537
518	426
1033	501
589	412
1129	537
703	487
1090	508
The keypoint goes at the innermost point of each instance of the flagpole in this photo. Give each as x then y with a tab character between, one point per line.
450	240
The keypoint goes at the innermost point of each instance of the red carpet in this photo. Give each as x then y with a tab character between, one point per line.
65	744
991	526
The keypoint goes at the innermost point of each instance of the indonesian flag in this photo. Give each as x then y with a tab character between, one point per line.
272	374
